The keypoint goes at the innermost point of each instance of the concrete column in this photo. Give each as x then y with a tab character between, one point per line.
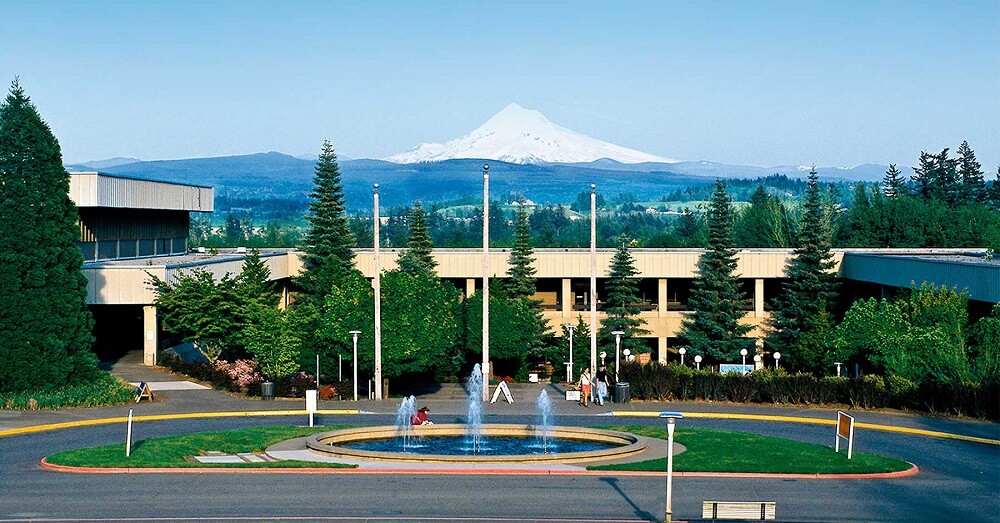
661	300
567	298
150	337
661	343
470	287
758	298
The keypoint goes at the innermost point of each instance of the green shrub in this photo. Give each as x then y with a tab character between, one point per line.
103	391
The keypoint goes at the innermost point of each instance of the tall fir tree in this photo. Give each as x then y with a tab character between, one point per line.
328	244
416	259
521	271
810	290
45	326
970	174
622	301
994	192
713	328
893	183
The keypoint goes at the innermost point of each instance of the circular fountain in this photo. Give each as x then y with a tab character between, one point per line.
474	442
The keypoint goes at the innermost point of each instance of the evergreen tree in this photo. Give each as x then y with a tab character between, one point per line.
328	243
994	192
861	226
764	223
970	174
622	301
416	259
893	183
810	290
937	178
521	273
713	328
45	326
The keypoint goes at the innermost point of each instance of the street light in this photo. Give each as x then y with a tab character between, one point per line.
377	284
743	352
777	356
569	366
355	335
756	361
682	351
603	355
671	416
486	282
697	360
618	345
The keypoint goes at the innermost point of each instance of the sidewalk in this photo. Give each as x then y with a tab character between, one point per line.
448	403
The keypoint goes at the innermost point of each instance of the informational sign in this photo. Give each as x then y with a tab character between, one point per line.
143	392
311	400
506	393
845	430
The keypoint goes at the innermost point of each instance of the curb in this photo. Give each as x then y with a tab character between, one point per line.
912	471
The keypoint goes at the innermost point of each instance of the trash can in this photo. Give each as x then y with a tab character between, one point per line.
267	391
622	392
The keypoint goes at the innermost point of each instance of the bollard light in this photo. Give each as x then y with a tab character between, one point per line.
777	356
697	360
682	351
743	352
670	416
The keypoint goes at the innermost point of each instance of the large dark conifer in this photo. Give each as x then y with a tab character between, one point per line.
416	259
45	326
713	328
622	300
328	242
521	273
893	183
970	173
809	293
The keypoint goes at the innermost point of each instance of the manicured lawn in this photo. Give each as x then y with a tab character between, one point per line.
711	450
173	451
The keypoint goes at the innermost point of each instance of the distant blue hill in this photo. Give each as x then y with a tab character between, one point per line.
281	175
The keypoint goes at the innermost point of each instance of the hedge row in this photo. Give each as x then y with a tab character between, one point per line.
293	386
103	391
673	382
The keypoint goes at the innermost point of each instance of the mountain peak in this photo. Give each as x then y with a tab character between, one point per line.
520	135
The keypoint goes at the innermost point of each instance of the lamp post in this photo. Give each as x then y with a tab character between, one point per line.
682	351
355	335
377	284
618	345
569	366
777	356
486	282
593	276
697	360
603	355
756	360
671	416
743	352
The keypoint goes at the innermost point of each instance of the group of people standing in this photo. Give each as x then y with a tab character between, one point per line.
587	383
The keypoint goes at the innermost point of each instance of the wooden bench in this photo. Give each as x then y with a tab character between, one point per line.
738	510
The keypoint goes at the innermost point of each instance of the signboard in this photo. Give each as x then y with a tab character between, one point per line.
733	367
143	392
845	429
311	398
502	387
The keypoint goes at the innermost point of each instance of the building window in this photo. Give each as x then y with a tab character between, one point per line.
126	249
89	250
107	250
146	248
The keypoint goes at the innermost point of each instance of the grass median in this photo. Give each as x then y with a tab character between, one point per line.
708	450
712	450
176	451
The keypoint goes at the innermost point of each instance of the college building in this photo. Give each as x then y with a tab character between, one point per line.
133	229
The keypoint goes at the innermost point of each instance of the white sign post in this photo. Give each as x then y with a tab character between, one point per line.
845	429
311	397
128	435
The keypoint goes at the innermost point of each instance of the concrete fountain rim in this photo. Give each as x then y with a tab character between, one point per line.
625	445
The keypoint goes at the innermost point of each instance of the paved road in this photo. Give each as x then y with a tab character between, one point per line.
959	480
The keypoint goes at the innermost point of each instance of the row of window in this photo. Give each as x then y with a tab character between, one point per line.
124	249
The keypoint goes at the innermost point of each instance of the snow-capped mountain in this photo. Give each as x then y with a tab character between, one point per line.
524	136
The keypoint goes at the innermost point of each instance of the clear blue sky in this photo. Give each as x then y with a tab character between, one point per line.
761	83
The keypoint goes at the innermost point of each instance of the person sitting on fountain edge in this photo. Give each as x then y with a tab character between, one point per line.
420	417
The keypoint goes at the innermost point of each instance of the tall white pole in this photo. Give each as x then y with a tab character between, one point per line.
128	435
377	283
486	282
569	368
593	276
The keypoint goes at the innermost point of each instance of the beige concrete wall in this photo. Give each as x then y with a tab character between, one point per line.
100	190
